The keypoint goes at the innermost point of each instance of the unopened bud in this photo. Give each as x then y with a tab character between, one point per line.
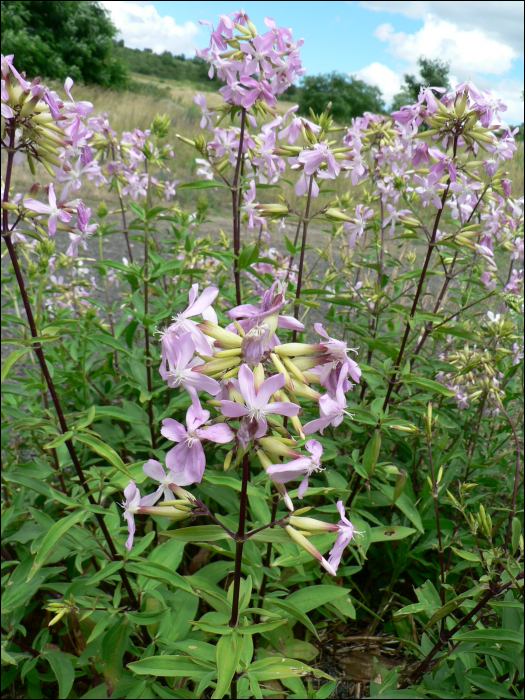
313	525
275	446
285	496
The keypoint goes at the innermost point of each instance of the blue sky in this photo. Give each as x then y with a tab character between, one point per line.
377	41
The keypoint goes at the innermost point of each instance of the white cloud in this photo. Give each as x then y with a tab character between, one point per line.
472	54
141	27
500	20
469	51
383	77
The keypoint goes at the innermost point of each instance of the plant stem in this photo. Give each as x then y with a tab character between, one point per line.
235	207
240	544
516	479
37	347
301	259
124	222
436	510
146	321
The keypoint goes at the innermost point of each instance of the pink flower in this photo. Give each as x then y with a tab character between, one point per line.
178	354
207	114
394	217
257	405
283	473
250	207
50	209
347	534
429	188
155	471
198	306
272	302
131	506
356	229
337	350
187	458
332	412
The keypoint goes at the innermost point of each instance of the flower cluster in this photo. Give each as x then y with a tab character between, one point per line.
255	67
253	378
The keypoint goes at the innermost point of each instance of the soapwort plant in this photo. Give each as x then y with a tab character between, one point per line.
168	435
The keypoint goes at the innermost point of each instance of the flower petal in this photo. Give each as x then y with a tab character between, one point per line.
232	409
154	469
220	433
173	430
268	388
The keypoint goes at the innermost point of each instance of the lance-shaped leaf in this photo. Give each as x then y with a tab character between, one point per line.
63	670
11	360
52	538
229	650
105	451
200	533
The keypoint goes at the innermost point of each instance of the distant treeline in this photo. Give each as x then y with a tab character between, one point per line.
165	65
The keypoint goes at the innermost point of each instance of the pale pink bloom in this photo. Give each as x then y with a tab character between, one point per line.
331	411
207	114
338	350
294	128
50	209
81	109
304	466
187	457
346	535
155	471
394	217
250	207
179	353
313	158
257	403
517	354
272	301
428	189
357	228
198	306
132	506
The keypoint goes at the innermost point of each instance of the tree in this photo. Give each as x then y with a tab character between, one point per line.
61	38
349	96
432	73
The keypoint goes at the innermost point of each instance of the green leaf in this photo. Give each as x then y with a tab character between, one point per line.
104	573
200	533
271	669
63	670
159	572
429	384
105	451
404	504
112	651
468	556
261	627
168	666
229	650
11	360
110	341
313	597
276	536
202	185
384	534
372	452
248	256
139	211
293	610
490	635
51	539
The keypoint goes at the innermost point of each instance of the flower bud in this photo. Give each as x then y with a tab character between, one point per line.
284	495
312	525
275	446
160	125
297	349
